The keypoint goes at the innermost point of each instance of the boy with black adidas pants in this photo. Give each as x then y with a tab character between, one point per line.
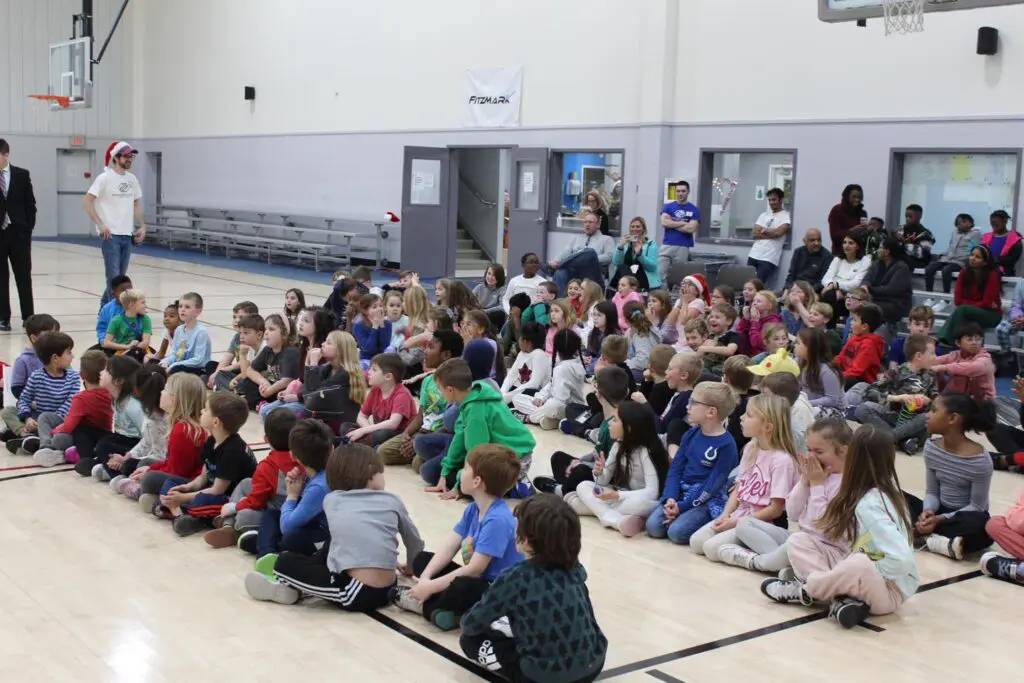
536	622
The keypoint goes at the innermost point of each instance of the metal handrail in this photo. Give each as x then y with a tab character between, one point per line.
476	193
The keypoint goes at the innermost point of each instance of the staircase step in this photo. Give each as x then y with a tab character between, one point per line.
473	263
469	253
461	243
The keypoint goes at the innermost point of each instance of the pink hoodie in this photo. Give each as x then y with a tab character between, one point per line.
620	302
975	375
806	504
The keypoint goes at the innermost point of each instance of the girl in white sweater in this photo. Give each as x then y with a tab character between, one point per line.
547	407
626	487
532	367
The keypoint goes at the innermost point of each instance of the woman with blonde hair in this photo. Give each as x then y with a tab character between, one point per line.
334	391
636	255
595	202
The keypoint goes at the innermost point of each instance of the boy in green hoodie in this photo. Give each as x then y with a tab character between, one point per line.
483	418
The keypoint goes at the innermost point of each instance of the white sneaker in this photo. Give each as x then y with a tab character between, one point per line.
952	548
930	303
260	587
47	457
99	473
939	307
786	591
737	556
403	601
549	423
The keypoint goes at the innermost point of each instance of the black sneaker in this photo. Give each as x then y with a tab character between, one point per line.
186	525
545	484
1003	568
848	612
14	445
911	446
522	417
30	444
249	541
85	465
6	435
5	326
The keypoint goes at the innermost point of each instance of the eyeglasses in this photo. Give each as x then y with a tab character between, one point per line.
694	401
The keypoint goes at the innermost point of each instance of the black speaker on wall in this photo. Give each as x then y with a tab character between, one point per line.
250	91
988	40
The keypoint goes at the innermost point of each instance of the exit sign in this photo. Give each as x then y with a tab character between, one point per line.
78	141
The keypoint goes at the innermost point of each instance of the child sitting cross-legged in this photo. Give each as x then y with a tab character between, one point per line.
485	538
531	370
922	320
388	407
820	379
738	377
88	419
483	419
696	487
121	378
129	332
775	338
641	338
49	389
763	310
190	347
766	476
355	570
626	486
219	373
152	445
725	342
627	292
969	369
266	490
684	371
227	460
26	363
899	398
861	357
334	390
654	389
695	335
762	545
547	407
869	516
273	368
553	637
801	414
299	524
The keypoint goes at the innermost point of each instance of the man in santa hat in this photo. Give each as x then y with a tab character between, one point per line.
114	204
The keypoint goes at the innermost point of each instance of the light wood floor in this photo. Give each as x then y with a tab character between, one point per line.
92	590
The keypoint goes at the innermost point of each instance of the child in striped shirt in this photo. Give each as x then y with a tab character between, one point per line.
49	390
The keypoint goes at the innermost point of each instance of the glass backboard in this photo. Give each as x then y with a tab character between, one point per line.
71	72
854	10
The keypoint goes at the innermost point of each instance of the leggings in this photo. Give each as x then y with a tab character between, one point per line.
612	513
569	482
970	526
765	539
311	576
107	446
458	597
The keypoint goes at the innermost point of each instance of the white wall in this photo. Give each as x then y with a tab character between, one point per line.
27	27
324	65
773	60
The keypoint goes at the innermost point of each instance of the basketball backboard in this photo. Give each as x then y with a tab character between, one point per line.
854	10
71	73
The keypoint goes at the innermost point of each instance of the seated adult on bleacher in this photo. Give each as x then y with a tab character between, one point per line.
843	274
978	295
809	262
889	282
586	257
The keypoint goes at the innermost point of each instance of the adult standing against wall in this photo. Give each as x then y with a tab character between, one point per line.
809	262
848	217
17	220
680	219
636	255
586	257
114	203
769	238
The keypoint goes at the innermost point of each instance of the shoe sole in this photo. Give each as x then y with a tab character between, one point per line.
225	537
259	588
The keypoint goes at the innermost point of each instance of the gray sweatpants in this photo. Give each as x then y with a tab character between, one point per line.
244	520
669	255
47	439
880	415
9	415
767	540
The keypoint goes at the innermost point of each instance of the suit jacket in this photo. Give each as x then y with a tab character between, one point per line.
20	202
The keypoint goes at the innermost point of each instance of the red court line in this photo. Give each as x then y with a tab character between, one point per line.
20	467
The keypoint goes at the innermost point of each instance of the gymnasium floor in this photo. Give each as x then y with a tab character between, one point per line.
92	590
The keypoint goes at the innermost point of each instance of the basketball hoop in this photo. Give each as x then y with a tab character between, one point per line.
60	100
903	16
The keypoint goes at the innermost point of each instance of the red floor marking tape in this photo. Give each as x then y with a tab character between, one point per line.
20	467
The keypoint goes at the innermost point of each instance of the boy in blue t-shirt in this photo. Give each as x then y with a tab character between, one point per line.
485	538
695	487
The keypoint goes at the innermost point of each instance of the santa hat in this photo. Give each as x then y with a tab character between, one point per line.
118	147
699	281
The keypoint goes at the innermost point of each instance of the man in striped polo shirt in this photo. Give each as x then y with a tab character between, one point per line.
49	390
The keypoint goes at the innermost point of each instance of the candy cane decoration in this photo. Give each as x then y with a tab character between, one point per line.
719	183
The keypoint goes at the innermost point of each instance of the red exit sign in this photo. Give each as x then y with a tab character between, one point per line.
78	141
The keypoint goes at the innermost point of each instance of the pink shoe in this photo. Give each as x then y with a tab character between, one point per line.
71	456
129	489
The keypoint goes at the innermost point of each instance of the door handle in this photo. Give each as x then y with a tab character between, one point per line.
542	219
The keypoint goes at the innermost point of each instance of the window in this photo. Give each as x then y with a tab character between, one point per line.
734	186
584	172
948	183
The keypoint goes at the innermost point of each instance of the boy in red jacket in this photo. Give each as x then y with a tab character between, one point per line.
266	489
861	357
89	418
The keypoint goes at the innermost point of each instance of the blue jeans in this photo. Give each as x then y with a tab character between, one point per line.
764	269
681	528
117	251
303	540
583	265
431	448
295	407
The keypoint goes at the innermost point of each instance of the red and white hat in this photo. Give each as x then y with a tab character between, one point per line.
119	147
698	281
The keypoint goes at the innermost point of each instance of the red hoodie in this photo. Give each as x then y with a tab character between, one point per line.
861	357
184	444
91	407
987	295
268	480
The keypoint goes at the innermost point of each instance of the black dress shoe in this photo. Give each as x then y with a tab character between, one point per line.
5	326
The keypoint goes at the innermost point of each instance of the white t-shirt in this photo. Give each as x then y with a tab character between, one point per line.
115	200
770	250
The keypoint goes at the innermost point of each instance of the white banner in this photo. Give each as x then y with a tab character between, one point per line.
493	97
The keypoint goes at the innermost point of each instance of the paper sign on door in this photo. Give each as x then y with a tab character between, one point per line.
528	182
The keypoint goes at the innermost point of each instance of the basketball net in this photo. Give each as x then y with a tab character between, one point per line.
903	16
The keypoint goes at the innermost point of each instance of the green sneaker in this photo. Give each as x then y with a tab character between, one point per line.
444	619
265	565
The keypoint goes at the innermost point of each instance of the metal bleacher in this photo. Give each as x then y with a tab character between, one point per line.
257	234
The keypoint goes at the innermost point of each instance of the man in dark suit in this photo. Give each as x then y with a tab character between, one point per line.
17	220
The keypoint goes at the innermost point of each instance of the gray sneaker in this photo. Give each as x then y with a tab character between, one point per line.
786	591
47	457
116	481
264	589
402	600
186	525
953	548
99	473
147	501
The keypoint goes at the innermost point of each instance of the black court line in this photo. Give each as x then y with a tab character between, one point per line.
454	657
757	633
871	627
662	676
36	474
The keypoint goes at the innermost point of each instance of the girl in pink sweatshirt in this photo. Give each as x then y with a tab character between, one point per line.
628	287
762	545
969	370
1008	532
764	309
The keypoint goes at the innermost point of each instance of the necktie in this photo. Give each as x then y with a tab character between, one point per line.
5	221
